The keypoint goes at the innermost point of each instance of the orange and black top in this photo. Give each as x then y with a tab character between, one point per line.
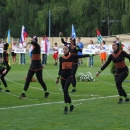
36	60
5	59
66	62
118	59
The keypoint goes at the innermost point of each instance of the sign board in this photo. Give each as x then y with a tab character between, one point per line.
18	50
88	51
60	51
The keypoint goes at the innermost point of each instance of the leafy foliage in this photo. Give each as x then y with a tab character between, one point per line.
86	15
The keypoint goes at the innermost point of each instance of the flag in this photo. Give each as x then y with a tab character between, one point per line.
73	34
99	37
8	40
24	34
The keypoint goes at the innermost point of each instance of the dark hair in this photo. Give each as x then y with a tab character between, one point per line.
104	42
44	36
35	38
33	43
91	41
73	39
6	46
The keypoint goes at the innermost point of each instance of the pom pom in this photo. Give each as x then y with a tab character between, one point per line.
32	80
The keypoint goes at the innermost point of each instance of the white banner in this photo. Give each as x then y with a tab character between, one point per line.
88	51
18	50
1	50
60	51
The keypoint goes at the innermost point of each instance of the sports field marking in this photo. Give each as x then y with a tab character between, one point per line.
49	103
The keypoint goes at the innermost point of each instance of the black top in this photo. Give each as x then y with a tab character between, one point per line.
118	58
36	61
66	61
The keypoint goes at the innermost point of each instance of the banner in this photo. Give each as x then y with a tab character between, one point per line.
88	51
18	50
60	50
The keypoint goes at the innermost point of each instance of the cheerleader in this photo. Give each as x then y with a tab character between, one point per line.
4	69
55	55
35	68
66	74
118	57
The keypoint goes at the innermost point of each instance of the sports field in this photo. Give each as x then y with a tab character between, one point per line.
96	106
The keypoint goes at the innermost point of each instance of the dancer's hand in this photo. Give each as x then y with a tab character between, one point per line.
5	70
57	81
97	74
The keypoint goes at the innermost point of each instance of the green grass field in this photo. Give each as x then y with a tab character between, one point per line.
96	106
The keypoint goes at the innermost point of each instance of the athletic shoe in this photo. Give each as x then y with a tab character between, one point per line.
7	90
127	100
120	101
0	89
22	95
46	95
71	108
65	110
73	90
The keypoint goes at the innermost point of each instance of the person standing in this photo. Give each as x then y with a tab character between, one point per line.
118	57
35	68
13	54
55	55
45	45
91	46
1	46
5	68
103	54
65	74
22	55
81	46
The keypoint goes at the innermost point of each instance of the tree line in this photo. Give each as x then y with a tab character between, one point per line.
112	17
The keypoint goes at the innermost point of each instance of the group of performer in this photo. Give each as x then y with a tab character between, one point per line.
68	64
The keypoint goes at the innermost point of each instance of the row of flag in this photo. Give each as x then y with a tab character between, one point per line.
24	34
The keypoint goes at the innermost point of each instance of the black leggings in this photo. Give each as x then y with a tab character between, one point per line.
39	78
3	75
119	79
65	86
75	67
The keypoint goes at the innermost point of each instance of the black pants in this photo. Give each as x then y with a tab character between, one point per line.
74	69
65	86
3	75
119	79
39	78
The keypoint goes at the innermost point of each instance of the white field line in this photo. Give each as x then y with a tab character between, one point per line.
49	103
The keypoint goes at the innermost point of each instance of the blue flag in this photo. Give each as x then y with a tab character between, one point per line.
8	37
73	34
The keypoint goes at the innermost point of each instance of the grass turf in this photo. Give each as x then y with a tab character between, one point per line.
95	103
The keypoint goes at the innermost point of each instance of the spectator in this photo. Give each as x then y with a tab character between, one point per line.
45	45
81	46
91	46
